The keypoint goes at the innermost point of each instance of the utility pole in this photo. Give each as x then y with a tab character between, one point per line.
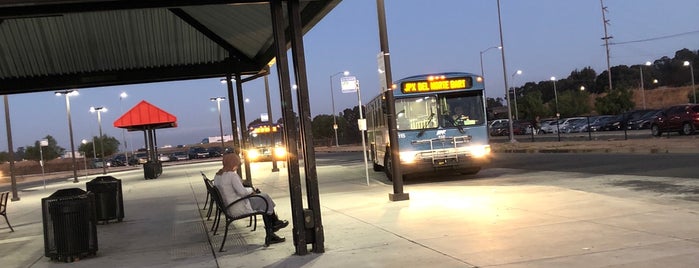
606	38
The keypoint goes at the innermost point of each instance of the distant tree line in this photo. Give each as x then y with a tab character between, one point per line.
52	150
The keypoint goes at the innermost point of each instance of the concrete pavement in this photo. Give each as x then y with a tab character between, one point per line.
499	218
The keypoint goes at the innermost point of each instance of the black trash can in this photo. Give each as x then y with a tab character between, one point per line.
152	169
70	225
109	202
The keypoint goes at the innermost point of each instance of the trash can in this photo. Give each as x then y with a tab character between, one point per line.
70	226
152	169
109	202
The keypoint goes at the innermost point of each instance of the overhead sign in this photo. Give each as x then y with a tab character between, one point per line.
264	117
348	84
436	85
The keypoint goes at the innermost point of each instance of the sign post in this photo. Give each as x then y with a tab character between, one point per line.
42	144
350	84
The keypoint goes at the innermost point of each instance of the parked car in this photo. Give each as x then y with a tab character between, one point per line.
644	121
681	118
179	156
214	151
140	157
198	152
163	158
548	126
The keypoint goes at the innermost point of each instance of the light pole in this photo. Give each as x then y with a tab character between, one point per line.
68	93
558	116
122	96
218	101
514	91
498	47
643	90
84	141
99	111
332	98
504	78
691	70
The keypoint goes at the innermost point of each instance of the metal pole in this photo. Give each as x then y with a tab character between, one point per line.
10	150
606	42
643	91
504	75
273	143
362	131
397	194
694	91
558	115
220	122
123	131
72	144
482	62
332	99
41	155
99	121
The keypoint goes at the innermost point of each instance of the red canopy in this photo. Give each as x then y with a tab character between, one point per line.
145	116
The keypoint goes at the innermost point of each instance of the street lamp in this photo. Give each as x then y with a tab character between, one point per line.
68	93
498	47
332	98
99	111
582	88
691	70
84	141
643	90
555	96
122	96
514	91
218	101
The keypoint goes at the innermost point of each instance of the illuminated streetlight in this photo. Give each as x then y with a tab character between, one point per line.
643	90
122	96
582	88
99	111
332	98
691	70
514	91
498	47
69	93
218	101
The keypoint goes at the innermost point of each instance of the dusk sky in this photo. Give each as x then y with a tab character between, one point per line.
543	38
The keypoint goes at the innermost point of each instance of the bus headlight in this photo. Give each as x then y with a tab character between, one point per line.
480	151
253	154
407	157
279	152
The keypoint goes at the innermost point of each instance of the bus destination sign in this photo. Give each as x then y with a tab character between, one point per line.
436	85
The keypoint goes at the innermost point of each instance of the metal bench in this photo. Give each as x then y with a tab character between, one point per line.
3	208
223	210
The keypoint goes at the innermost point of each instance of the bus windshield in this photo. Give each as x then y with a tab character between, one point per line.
443	110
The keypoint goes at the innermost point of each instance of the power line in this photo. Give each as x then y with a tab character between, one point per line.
655	38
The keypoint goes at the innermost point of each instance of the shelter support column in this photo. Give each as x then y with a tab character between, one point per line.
290	129
243	128
231	109
315	226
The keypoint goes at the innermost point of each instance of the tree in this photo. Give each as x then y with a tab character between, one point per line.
111	146
616	102
52	151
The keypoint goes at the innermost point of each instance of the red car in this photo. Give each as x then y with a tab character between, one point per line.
681	118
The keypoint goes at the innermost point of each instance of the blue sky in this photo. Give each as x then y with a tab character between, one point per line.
543	38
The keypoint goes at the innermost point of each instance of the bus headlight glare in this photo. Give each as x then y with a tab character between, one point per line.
407	157
253	154
480	151
279	152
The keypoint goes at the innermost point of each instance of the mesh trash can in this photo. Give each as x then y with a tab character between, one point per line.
152	169
109	202
70	226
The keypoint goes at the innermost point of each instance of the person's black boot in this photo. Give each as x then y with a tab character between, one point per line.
276	223
270	236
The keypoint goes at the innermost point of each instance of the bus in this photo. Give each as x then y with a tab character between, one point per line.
260	146
441	124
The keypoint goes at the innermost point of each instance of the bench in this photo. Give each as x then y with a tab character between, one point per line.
223	210
210	202
3	208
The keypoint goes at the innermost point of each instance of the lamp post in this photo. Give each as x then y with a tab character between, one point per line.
84	141
486	50
69	93
643	90
514	91
558	116
691	70
122	96
332	98
99	111
218	101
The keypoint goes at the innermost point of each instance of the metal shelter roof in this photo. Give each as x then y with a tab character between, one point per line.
144	116
56	44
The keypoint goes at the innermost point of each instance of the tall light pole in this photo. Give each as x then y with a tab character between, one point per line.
504	78
643	90
486	50
122	96
514	91
558	115
332	98
84	142
68	93
99	111
691	70
218	101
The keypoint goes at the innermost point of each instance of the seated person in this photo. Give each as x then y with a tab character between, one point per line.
231	187
460	118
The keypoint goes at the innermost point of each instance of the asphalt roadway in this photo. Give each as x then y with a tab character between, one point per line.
498	218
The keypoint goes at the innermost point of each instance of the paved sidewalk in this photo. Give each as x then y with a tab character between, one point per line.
505	219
